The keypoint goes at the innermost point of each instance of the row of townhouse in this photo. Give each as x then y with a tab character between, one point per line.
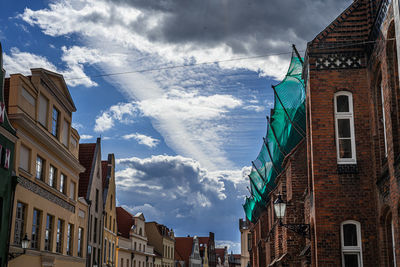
335	201
57	197
143	244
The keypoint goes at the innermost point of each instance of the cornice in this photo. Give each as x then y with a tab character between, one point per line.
29	125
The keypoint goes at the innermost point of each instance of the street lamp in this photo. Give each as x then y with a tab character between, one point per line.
24	244
280	210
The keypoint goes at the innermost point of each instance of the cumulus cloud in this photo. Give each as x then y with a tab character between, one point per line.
122	112
86	136
74	58
181	193
142	139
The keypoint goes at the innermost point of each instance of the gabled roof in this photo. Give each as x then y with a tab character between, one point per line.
183	249
352	26
86	159
220	253
57	82
125	222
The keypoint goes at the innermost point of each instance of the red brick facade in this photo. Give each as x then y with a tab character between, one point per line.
355	56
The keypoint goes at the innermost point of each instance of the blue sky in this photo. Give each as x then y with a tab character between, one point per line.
183	137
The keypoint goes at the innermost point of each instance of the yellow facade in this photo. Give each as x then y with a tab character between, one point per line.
46	204
110	216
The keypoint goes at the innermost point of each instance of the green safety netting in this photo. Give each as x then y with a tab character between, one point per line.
286	128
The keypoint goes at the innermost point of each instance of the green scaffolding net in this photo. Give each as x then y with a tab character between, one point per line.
286	128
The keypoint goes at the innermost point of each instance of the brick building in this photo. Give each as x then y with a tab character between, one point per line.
341	182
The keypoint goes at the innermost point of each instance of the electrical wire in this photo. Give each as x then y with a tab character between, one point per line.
221	61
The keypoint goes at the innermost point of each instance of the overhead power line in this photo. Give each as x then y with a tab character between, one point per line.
221	61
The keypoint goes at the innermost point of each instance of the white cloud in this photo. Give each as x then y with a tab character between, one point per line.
86	136
128	26
142	139
231	245
122	112
22	62
150	213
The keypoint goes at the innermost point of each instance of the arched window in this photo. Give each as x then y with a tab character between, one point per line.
344	127
350	233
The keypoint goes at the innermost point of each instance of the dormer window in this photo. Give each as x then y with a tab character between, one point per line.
344	127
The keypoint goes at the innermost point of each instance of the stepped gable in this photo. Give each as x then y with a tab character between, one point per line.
125	222
86	158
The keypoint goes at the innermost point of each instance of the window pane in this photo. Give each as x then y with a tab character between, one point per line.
28	96
345	148
54	127
39	168
351	260
62	182
350	235
52	176
24	158
342	103
19	223
43	103
72	190
344	128
35	229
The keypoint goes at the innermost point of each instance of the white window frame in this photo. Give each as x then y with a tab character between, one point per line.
345	115
351	249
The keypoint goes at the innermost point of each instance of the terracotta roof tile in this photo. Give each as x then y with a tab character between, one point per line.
220	253
86	155
125	222
183	249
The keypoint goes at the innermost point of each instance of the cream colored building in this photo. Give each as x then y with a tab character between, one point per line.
133	249
110	215
163	241
46	204
244	243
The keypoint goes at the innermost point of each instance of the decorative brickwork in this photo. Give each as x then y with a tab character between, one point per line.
26	183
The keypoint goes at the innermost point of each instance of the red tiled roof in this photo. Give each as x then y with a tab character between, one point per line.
183	249
104	167
204	240
86	155
220	253
125	222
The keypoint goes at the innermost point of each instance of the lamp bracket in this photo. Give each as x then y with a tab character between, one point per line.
299	228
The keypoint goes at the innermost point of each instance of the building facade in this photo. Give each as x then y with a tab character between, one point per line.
91	189
133	248
244	242
163	241
8	181
341	182
110	213
46	204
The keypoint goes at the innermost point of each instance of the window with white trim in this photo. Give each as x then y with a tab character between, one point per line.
350	232
344	128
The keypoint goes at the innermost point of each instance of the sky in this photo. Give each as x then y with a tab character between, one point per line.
178	90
